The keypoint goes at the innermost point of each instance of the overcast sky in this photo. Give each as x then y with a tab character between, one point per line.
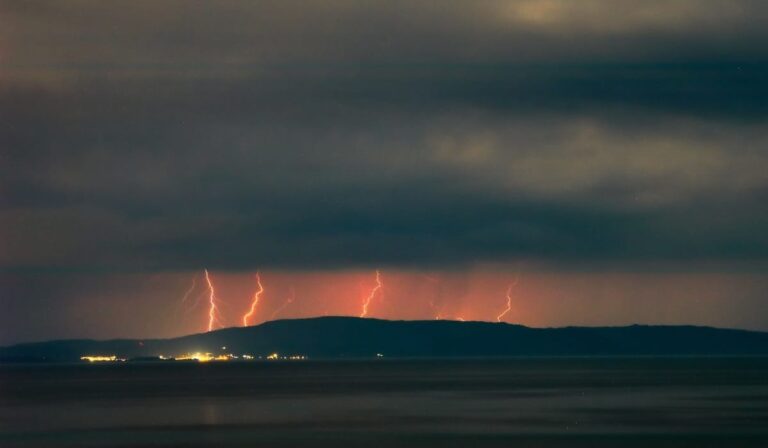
155	138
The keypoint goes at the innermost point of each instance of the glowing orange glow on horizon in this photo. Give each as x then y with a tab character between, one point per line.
370	297
212	309
539	298
254	301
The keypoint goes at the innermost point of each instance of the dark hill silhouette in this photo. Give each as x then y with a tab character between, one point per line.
349	337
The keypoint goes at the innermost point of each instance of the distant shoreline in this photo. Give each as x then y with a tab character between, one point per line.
356	338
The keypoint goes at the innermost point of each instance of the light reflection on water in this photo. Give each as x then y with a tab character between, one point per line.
389	403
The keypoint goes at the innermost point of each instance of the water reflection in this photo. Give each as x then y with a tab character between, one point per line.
554	402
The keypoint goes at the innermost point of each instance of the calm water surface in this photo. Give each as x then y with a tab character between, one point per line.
519	402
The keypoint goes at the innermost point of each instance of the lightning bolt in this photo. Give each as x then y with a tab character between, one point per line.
189	291
370	297
431	279
290	300
196	303
434	307
432	304
186	296
254	301
213	310
509	301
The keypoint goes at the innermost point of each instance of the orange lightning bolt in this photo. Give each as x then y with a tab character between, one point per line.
255	301
189	291
187	294
195	304
434	307
370	297
509	301
213	310
432	303
290	300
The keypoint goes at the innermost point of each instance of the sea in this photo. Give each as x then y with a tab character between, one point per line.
520	402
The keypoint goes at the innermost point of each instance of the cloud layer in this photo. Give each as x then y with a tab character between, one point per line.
234	134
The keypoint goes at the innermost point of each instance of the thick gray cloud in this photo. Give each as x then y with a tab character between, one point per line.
168	135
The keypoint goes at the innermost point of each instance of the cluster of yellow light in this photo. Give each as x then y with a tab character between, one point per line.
200	357
277	356
197	356
101	358
205	357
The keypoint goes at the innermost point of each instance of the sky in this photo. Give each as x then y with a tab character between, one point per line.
606	158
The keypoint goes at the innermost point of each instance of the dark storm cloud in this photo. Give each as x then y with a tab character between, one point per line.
164	135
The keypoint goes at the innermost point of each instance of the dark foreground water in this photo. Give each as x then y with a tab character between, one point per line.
520	403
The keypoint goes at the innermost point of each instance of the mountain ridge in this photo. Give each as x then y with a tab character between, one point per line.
352	337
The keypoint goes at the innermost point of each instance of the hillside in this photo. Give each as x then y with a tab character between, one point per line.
349	337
